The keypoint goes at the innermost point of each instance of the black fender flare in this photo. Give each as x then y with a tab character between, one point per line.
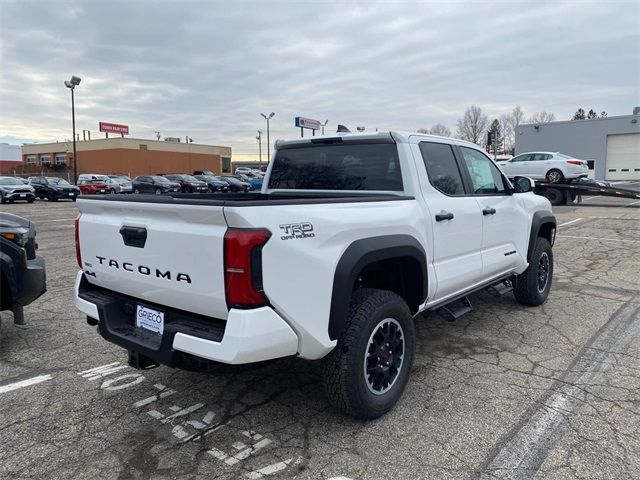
9	273
539	219
359	254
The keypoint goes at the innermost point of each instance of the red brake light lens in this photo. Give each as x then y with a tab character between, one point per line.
77	235
243	267
575	162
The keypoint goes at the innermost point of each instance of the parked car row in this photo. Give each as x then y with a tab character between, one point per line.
54	188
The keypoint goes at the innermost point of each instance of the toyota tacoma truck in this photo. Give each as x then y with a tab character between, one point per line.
351	237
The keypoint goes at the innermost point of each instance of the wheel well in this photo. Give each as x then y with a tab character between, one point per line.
547	230
5	294
401	275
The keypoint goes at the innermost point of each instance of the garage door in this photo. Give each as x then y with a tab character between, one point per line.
623	157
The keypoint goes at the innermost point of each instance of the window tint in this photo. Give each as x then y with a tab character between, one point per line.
485	176
442	168
337	167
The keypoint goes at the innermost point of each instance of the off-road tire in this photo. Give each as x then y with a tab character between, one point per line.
526	287
344	368
554	176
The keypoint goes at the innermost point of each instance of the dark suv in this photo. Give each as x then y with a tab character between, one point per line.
22	272
54	188
216	184
188	183
154	184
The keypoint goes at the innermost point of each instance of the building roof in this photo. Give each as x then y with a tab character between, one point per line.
599	119
127	143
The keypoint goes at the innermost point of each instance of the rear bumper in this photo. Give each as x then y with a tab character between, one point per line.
247	336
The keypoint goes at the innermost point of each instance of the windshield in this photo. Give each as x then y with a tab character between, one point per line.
361	166
57	181
10	181
189	178
159	179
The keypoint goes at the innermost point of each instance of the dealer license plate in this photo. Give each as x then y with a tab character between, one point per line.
71	194
23	195
150	319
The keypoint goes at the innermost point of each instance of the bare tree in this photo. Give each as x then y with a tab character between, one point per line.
542	117
517	117
506	125
473	125
440	129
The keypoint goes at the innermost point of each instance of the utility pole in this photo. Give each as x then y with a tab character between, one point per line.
259	138
324	125
267	118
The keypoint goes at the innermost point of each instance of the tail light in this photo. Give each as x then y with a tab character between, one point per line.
575	162
77	235
243	267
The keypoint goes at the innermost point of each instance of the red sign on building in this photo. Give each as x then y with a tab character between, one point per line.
113	128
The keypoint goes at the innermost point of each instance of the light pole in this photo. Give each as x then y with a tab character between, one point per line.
267	118
72	84
259	138
324	125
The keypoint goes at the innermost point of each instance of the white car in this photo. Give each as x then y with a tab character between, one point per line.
552	166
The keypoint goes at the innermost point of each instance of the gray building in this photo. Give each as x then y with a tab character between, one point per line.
612	143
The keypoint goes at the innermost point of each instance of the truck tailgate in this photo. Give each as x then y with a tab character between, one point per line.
156	252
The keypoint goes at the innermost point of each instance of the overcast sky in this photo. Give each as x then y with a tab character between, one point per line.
207	69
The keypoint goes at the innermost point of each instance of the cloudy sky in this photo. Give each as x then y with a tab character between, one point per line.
207	69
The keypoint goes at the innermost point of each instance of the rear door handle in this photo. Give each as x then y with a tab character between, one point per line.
488	211
444	216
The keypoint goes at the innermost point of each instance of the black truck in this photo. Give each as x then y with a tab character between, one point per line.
22	272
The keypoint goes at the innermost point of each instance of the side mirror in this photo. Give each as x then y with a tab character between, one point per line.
523	184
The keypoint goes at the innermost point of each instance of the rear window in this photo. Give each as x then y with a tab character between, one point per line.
337	167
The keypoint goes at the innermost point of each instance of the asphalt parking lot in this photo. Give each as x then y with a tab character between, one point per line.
504	392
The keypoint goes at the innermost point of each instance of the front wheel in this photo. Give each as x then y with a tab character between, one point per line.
112	191
367	371
532	287
136	191
554	176
158	191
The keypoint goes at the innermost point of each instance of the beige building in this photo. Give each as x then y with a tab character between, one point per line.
130	156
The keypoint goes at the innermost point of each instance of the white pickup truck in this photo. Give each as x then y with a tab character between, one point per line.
351	237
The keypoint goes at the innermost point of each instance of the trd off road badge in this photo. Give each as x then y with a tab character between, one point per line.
297	230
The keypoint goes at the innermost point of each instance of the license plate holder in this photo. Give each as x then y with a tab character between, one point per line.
150	319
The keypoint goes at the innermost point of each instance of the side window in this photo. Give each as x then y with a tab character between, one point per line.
538	157
521	158
442	168
485	176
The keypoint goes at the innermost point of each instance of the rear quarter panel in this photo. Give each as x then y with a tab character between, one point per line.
298	272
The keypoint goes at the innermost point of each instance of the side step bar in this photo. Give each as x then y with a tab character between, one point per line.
500	289
450	312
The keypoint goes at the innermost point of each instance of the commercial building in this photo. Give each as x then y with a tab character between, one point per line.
610	144
130	156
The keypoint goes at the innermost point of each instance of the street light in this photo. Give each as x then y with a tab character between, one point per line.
259	139
267	118
324	125
71	85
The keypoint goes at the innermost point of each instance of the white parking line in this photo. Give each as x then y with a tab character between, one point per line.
570	222
24	383
632	203
598	239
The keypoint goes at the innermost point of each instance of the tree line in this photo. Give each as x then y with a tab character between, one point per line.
474	125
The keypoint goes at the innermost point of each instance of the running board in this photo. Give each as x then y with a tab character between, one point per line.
500	289
451	313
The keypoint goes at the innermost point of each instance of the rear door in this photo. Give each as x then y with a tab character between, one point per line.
519	165
505	223
455	217
160	253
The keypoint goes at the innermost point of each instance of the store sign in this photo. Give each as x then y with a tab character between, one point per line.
309	123
113	128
